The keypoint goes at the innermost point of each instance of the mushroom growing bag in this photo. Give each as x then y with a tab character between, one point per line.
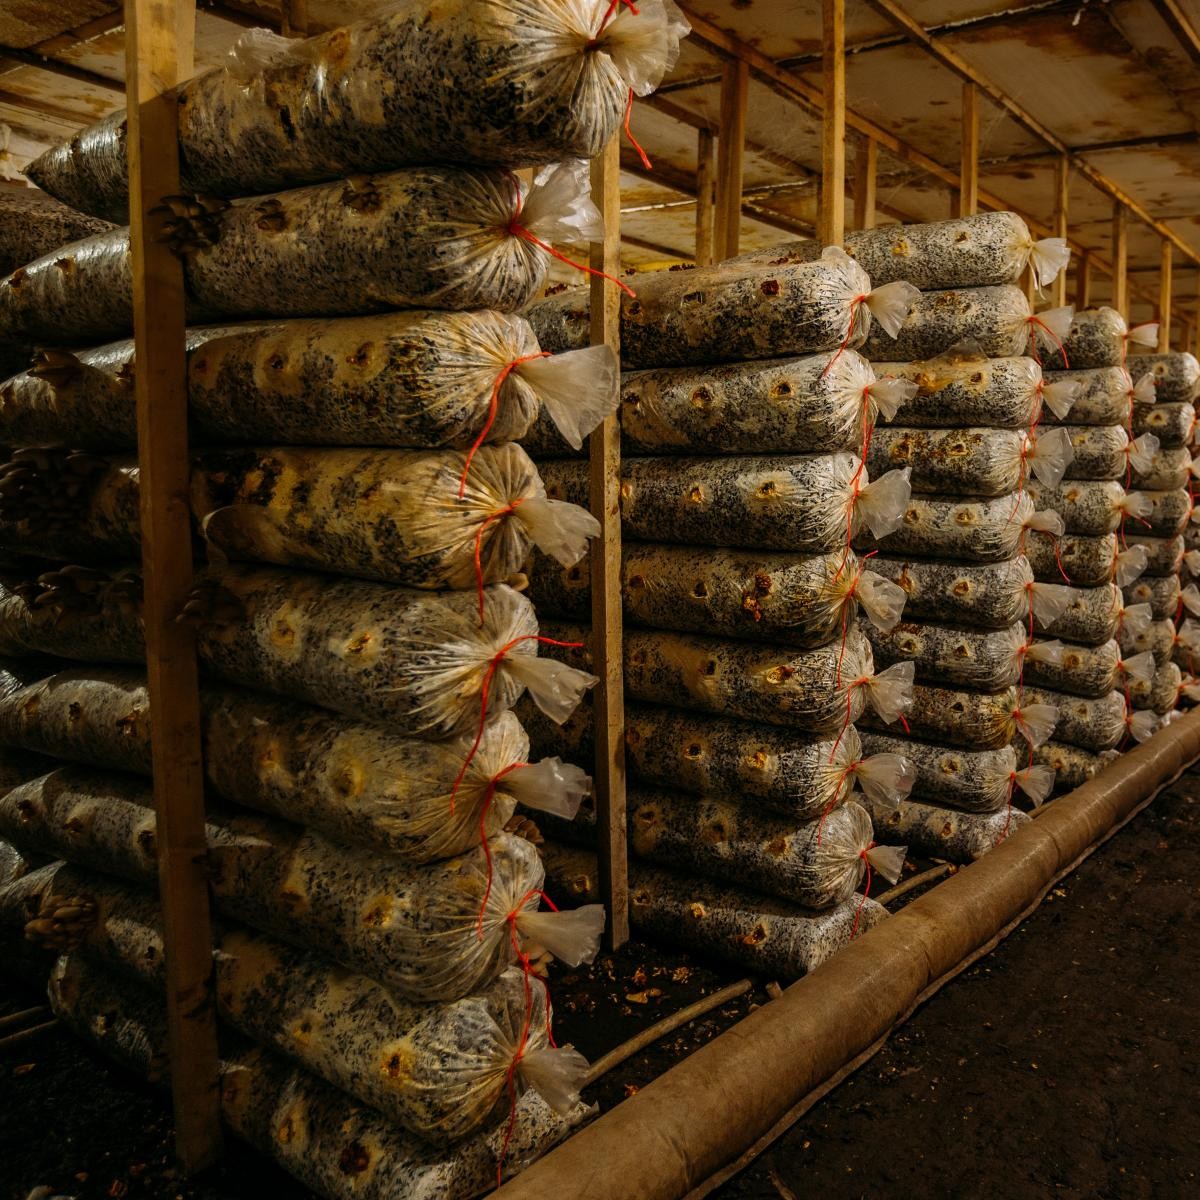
724	313
533	81
418	379
33	223
424	237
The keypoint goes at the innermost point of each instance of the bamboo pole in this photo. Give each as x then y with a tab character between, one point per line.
704	198
731	144
159	41
831	226
1164	299
866	174
604	454
968	186
1120	259
1062	193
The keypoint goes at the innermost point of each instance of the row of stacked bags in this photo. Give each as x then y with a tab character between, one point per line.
357	379
1135	517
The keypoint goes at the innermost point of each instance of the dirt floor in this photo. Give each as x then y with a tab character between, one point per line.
1063	1065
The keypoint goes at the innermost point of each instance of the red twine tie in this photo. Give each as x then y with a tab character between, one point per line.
847	771
489	797
1036	320
517	230
493	409
483	525
863	854
510	1077
611	11
850	592
484	693
855	304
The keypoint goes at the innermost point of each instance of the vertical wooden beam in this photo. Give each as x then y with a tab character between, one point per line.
866	173
831	226
704	198
1083	281
731	145
1165	285
604	456
294	18
1062	191
1120	259
1185	333
159	38
968	187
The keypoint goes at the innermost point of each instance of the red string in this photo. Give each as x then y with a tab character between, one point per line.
484	691
488	798
493	408
854	307
518	230
492	516
1036	320
510	1078
1039	409
1012	784
629	132
864	855
861	681
850	591
837	792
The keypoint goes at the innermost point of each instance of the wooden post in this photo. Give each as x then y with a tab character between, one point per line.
1120	259
704	198
294	18
1083	281
831	226
1062	190
731	145
866	173
159	38
604	455
1164	299
1185	333
968	187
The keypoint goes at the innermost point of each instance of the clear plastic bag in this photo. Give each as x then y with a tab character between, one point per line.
986	596
768	596
1088	507
816	865
417	661
1090	671
1164	470
995	318
534	82
1176	376
799	503
1096	339
1163	594
758	933
1089	616
978	462
733	311
33	223
971	780
434	237
790	406
938	832
1172	424
952	527
986	659
818	691
403	379
1095	725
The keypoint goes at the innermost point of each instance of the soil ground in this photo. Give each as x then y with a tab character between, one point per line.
1063	1065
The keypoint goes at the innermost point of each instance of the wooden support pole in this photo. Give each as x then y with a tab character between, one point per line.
294	18
159	40
1120	259
1062	192
604	456
1083	281
704	198
866	174
968	185
831	225
1165	286
1185	333
731	144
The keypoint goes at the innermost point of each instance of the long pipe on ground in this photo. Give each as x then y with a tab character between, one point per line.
674	1134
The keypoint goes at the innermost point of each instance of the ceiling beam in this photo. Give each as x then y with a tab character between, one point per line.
43	62
71	38
1153	141
969	74
1180	24
656	247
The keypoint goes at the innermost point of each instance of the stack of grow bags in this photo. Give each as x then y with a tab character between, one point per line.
968	436
1130	522
364	649
744	404
1167	481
